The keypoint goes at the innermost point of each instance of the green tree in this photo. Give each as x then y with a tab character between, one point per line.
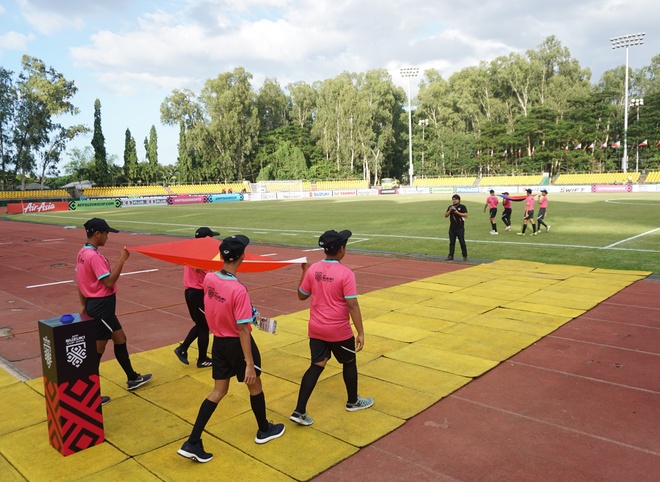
151	148
101	171
130	158
40	96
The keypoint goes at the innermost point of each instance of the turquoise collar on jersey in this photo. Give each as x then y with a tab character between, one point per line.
330	260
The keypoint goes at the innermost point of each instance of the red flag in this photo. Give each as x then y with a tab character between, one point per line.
566	148
616	145
657	144
590	146
579	146
603	145
519	152
532	150
204	253
504	153
644	143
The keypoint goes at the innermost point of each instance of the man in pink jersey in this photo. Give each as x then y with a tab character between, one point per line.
230	316
543	205
491	202
529	214
506	212
334	304
193	282
97	290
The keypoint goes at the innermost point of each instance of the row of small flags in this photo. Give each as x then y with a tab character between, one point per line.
614	145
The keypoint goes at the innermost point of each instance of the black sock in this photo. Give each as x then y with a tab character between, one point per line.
351	380
203	343
192	334
524	228
203	416
121	354
495	227
258	403
307	385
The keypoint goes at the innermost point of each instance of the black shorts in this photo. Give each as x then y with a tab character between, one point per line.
530	215
541	213
103	311
493	212
344	351
228	359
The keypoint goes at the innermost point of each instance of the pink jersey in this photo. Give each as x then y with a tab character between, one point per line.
506	203
226	304
529	203
329	283
193	278
492	201
543	202
91	268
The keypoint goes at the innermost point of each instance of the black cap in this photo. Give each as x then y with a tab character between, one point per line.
233	247
332	238
544	190
205	232
492	191
505	193
98	224
529	191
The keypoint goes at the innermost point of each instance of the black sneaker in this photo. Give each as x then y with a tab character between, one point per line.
450	258
105	400
275	430
138	382
182	355
194	452
204	362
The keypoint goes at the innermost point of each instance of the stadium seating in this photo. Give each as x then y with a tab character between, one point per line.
653	177
125	191
596	178
208	188
445	181
523	180
37	194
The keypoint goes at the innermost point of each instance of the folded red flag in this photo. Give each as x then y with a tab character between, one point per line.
204	253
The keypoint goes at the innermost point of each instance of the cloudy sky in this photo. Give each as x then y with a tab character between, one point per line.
131	54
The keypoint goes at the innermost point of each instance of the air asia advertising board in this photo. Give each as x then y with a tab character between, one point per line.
37	207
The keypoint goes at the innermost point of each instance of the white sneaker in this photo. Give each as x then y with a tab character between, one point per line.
508	228
494	232
547	228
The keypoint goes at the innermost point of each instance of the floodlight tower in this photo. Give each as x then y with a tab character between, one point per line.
620	42
410	72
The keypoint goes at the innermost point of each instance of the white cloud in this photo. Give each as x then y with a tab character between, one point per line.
15	41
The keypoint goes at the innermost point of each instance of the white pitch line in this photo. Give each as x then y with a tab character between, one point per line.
71	281
54	239
629	239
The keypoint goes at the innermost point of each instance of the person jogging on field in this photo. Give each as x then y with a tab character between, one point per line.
506	212
529	214
193	282
334	304
230	316
492	201
97	288
543	205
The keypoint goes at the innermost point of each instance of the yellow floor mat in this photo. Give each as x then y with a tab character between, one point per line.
424	340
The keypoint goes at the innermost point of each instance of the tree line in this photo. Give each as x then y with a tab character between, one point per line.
523	113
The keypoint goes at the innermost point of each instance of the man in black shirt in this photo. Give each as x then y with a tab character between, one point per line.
456	213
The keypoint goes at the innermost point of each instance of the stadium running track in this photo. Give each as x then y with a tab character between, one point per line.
582	403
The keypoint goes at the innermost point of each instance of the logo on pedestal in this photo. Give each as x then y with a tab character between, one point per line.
48	354
76	350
